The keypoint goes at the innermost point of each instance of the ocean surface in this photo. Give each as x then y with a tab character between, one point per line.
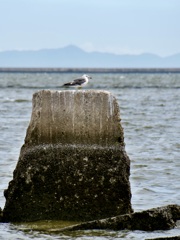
150	113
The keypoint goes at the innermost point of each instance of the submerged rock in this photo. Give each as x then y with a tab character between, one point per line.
161	218
165	238
73	165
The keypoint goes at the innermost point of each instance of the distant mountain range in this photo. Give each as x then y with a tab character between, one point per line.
74	57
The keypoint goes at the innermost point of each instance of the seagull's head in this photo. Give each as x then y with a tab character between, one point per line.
85	75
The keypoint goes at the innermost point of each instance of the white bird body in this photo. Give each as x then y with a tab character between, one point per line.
78	82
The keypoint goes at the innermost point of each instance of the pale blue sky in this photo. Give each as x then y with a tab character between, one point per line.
118	26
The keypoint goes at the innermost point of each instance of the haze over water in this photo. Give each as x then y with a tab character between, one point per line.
150	109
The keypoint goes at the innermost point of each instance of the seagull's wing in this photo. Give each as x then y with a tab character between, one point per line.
78	81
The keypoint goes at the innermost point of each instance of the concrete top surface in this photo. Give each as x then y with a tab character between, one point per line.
75	117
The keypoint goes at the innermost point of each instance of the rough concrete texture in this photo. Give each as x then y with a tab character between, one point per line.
75	117
73	165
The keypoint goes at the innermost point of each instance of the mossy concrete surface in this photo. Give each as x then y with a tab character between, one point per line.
73	165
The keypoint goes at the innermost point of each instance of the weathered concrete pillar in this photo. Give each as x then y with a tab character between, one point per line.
73	165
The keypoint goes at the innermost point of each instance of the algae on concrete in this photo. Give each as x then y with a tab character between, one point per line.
73	164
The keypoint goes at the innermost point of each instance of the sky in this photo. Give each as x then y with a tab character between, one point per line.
115	26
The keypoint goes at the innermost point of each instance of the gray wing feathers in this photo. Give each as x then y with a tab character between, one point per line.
77	81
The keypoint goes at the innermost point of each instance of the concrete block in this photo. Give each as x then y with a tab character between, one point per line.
73	164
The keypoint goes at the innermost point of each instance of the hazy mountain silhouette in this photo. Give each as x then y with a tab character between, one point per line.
72	56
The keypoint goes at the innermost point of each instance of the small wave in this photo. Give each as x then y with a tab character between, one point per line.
140	166
27	87
21	100
7	100
94	87
146	87
145	189
148	127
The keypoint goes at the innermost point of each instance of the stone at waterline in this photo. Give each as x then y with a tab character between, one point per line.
160	218
73	165
1	214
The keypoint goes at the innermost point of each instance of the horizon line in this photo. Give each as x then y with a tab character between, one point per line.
88	70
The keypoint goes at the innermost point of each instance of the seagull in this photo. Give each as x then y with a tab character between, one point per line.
78	82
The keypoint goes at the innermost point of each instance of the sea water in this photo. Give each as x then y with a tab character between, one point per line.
150	115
